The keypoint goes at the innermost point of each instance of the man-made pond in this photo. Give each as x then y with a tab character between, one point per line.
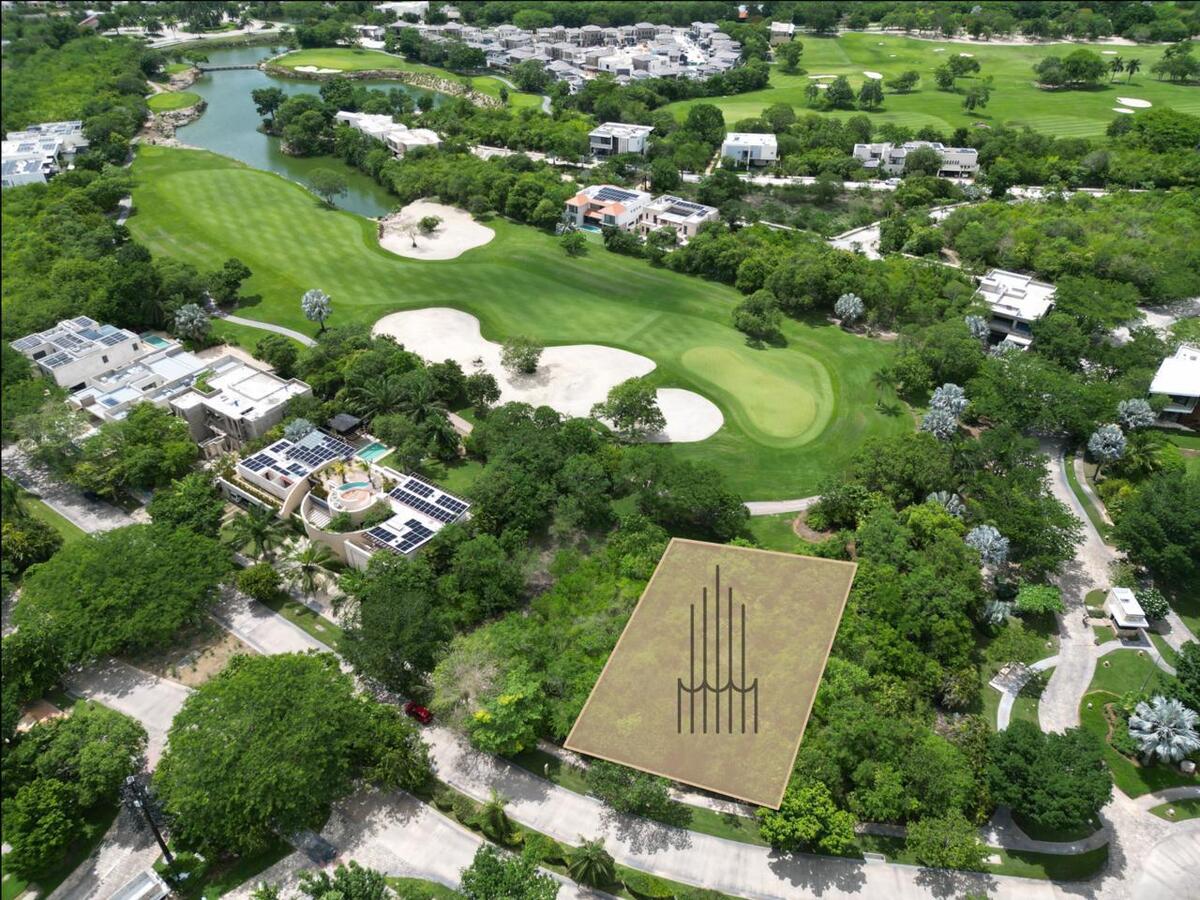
230	126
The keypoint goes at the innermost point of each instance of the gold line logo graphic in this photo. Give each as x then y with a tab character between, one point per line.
716	693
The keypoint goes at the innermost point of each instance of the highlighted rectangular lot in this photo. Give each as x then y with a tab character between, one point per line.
713	679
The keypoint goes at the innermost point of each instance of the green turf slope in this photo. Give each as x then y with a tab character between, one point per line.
792	415
1016	101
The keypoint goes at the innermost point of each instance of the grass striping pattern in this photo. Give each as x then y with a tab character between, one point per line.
1015	102
793	414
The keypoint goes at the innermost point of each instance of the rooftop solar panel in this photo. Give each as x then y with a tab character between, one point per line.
419	487
83	321
27	343
110	340
452	504
58	359
420	504
614	195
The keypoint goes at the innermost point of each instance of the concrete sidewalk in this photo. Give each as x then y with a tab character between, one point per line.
90	515
261	628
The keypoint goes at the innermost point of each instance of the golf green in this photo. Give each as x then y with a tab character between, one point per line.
793	414
169	100
346	59
1015	101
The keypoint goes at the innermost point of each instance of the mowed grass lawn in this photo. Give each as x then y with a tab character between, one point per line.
792	415
347	59
169	100
1015	100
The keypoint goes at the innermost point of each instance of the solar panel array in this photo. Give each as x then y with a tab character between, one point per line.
614	195
316	451
58	359
28	343
419	487
413	536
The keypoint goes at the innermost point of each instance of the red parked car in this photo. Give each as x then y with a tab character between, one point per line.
418	712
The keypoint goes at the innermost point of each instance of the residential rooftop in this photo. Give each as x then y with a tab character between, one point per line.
1017	295
1179	375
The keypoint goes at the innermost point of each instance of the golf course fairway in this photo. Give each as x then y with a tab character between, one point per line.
793	414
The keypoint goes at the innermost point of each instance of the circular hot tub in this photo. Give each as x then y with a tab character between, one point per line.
353	496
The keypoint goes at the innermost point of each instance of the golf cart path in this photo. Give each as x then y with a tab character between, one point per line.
68	502
267	326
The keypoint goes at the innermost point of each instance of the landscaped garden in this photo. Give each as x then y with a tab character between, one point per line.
172	100
1015	101
346	59
792	414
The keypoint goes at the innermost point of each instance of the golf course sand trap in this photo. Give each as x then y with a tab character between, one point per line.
569	379
1134	102
872	74
456	234
966	54
939	49
1109	52
1124	110
317	70
818	77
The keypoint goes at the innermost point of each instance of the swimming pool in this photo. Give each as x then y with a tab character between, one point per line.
374	451
594	229
155	341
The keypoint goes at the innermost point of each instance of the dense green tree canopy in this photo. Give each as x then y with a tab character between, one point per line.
124	590
263	749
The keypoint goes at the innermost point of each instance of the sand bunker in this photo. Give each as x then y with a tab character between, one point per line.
818	77
316	70
822	87
966	54
569	379
872	74
1122	109
1109	52
1134	102
456	234
939	49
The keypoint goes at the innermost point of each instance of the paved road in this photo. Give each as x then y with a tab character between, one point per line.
744	870
261	628
90	515
1077	650
396	834
126	849
267	326
151	700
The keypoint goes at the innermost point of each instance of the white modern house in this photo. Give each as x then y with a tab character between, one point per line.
1125	611
605	205
77	350
750	149
225	401
36	153
1016	302
350	503
612	138
668	211
396	136
1178	379
957	162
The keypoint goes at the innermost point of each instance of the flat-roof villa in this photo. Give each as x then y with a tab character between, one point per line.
749	149
1178	379
346	498
685	216
79	349
109	370
957	162
782	32
1016	302
617	137
39	152
605	205
396	136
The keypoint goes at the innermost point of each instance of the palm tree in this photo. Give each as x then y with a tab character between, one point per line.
308	562
443	439
380	396
1134	65
884	378
259	529
421	401
590	864
494	820
1164	728
1116	66
1142	454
